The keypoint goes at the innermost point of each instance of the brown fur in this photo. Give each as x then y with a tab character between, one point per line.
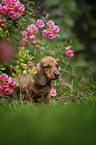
46	72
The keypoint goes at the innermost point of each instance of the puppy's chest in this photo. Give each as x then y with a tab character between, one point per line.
41	90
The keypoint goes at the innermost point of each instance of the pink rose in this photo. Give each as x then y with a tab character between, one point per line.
30	63
7	91
3	77
21	43
53	92
0	8
39	100
5	9
11	14
35	42
32	29
51	36
18	14
24	40
45	32
67	48
35	30
11	9
32	37
22	8
56	29
18	5
40	23
25	34
4	86
4	2
69	53
50	24
2	21
37	47
33	68
11	82
28	29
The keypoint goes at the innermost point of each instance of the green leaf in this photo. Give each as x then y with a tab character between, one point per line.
17	70
47	15
23	53
57	35
33	80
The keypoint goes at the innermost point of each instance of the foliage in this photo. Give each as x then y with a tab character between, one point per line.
14	35
42	30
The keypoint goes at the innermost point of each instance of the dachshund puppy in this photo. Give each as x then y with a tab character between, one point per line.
46	71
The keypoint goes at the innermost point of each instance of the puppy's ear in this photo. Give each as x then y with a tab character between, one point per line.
40	77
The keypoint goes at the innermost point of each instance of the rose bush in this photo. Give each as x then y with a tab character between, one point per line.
6	84
32	38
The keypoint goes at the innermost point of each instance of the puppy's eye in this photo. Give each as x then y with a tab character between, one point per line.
57	65
47	66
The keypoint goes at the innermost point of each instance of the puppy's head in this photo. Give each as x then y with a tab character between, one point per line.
47	70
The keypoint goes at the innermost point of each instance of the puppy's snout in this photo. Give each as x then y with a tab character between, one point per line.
56	74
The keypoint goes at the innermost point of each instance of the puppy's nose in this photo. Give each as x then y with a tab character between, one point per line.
56	74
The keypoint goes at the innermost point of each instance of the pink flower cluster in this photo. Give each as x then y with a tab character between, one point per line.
37	44
40	23
6	84
30	64
32	30
50	33
69	52
12	8
30	33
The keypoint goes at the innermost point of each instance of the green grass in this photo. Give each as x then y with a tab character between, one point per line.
53	124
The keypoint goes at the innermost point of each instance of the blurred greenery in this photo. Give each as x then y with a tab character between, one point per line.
41	124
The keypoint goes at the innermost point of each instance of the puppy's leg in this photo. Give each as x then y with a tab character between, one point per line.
48	98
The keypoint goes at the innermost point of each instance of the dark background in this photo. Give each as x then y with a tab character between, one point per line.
77	21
